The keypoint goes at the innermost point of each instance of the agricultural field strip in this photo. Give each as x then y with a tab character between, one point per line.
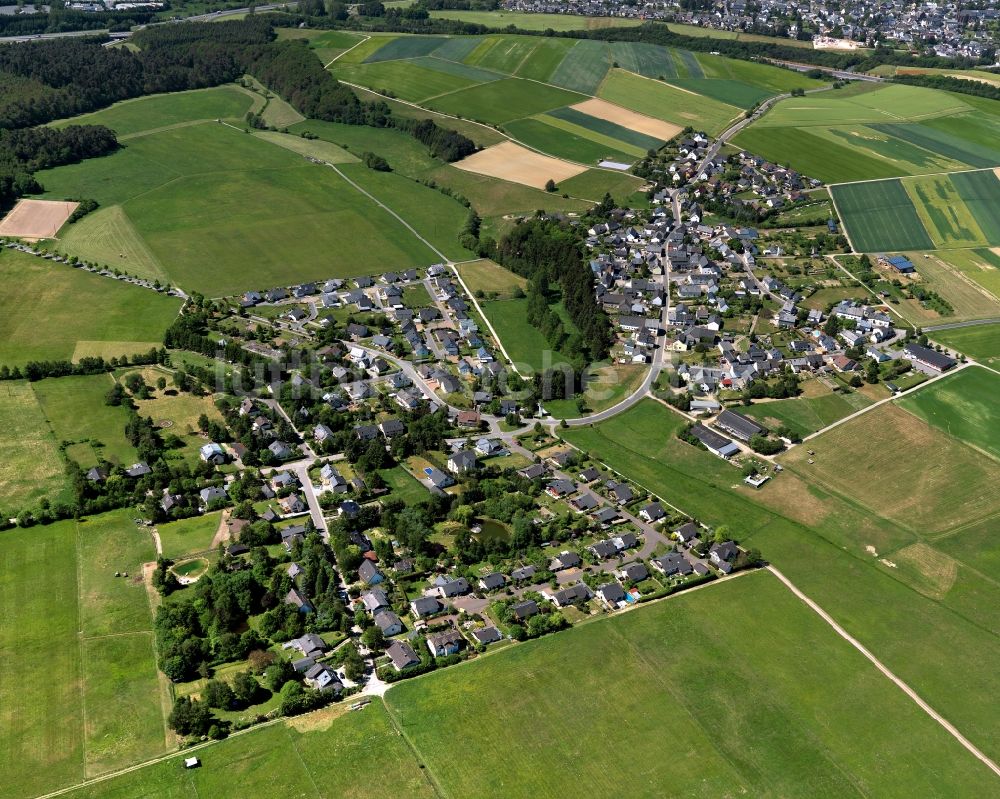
906	689
905	177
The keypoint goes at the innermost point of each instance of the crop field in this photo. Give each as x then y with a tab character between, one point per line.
566	140
544	59
32	220
46	309
132	117
535	22
981	342
486	276
869	458
87	626
944	211
662	101
504	100
880	216
191	198
510	161
783	669
604	117
75	410
964	406
593	183
876	132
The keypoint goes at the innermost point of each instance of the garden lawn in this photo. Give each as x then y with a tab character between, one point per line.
504	100
404	486
48	309
188	537
662	101
31	467
964	406
743	671
981	342
194	200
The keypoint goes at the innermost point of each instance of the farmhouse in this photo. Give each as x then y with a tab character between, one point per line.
738	425
714	443
930	359
902	265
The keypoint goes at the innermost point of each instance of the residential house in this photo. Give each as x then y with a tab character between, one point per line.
369	574
564	560
492	582
446	643
463	461
402	655
571	595
425	606
389	623
451	588
611	594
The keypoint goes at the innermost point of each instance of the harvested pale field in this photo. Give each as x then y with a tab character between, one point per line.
632	120
36	219
509	161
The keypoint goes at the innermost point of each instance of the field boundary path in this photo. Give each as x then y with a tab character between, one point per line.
906	689
892	398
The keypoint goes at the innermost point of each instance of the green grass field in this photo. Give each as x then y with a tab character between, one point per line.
31	468
188	537
437	217
963	406
48	309
192	199
403	78
981	342
404	486
941	210
584	67
698	726
525	344
964	278
803	415
133	117
593	184
565	140
92	629
880	216
75	410
486	276
666	102
355	755
868	458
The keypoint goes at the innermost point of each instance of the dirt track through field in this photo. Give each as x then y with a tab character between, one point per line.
509	161
632	120
36	219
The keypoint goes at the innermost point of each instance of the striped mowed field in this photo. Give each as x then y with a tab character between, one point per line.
943	211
